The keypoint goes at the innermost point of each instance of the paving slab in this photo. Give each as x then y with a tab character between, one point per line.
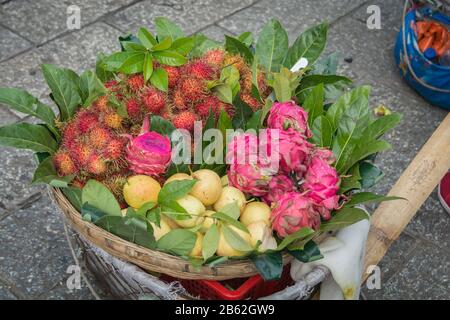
42	20
5	294
11	44
216	33
189	15
77	51
296	16
34	254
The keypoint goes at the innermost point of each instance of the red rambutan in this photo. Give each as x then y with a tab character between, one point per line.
114	149
86	120
96	165
184	120
136	82
70	134
101	104
251	101
112	120
112	85
64	164
173	75
133	108
153	100
199	69
178	100
78	183
81	153
192	88
209	103
99	137
214	57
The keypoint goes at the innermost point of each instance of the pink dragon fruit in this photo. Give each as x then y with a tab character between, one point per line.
322	185
248	172
324	154
149	153
289	115
278	186
294	152
292	212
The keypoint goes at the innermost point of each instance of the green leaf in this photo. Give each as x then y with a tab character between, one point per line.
255	121
362	150
74	197
246	38
235	240
309	45
133	64
351	181
224	92
22	101
223	124
130	229
269	265
148	67
370	174
232	210
102	74
282	87
235	46
310	253
314	103
46	173
64	89
327	65
368	197
302	233
142	211
160	79
210	242
162	126
163	45
381	125
272	45
99	196
322	132
114	61
242	113
178	241
28	136
311	80
183	45
91	213
146	38
170	58
175	190
266	109
166	28
230	220
133	46
90	88
344	218
202	44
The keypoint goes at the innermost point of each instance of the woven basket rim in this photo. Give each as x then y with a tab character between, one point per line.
148	259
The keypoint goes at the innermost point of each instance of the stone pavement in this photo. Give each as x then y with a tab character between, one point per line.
34	255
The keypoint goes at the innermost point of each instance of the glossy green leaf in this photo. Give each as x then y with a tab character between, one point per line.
235	240
328	65
363	149
178	241
230	220
246	38
148	67
269	265
272	45
224	92
309	45
163	45
160	79
322	132
242	114
166	28
210	242
133	46
74	197
314	103
91	87
344	218
46	173
183	45
351	180
28	136
255	121
302	233
161	125
370	174
235	46
133	64
64	87
103	74
146	38
174	190
22	101
114	61
381	125
170	58
281	87
310	253
99	196
368	197
311	80
202	44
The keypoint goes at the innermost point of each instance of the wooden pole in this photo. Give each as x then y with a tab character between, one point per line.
415	184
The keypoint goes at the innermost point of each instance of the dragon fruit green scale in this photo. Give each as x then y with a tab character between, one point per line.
149	153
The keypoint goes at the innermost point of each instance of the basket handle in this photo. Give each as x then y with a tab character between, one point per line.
408	63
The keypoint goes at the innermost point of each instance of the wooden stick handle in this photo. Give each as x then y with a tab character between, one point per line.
415	184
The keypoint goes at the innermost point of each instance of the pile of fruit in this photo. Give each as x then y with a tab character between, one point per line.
110	148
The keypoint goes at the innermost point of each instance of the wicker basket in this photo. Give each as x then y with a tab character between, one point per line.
151	260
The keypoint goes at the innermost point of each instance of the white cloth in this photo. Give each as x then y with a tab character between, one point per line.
344	257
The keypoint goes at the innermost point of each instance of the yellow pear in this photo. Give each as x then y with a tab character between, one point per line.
159	232
197	250
254	212
208	221
177	177
208	186
230	195
195	208
224	249
139	190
